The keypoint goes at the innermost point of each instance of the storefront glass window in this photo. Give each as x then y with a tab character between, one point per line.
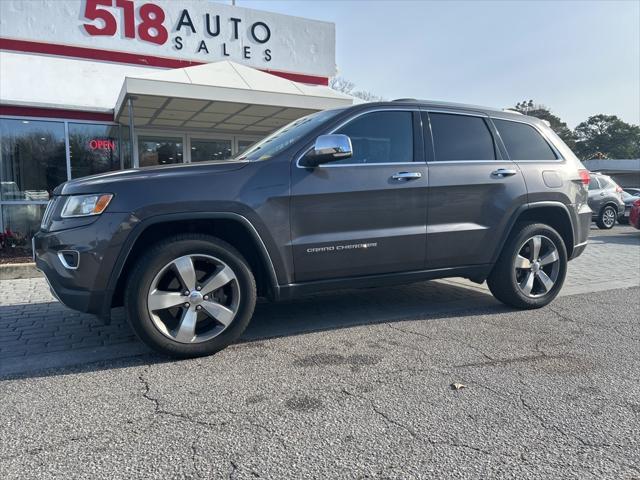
244	144
203	150
21	222
125	147
93	148
156	150
33	159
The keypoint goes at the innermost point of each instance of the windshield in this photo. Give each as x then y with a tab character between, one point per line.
281	139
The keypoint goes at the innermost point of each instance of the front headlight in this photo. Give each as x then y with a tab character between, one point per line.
85	205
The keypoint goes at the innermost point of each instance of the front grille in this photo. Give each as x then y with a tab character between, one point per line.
48	213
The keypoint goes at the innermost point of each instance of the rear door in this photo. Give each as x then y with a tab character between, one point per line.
596	194
366	214
473	190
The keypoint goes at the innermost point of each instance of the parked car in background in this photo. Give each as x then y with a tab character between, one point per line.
632	191
628	200
605	200
634	215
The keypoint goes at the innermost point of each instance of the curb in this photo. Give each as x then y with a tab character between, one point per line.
13	271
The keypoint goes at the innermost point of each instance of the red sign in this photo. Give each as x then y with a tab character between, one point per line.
98	144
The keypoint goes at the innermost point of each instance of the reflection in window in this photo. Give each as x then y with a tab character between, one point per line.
461	137
203	150
33	159
21	222
380	137
159	150
93	149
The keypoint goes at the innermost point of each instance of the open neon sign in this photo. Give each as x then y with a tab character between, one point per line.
98	144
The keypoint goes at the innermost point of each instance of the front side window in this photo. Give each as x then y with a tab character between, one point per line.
93	149
461	137
523	142
156	150
33	159
380	137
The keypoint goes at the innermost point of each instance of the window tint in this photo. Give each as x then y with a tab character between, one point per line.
380	137
523	142
461	137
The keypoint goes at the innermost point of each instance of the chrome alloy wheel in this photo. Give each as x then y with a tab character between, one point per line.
537	266
194	298
609	217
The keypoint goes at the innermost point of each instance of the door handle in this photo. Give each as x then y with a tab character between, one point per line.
407	176
503	172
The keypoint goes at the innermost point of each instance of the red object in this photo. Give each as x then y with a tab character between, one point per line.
132	58
618	189
634	216
100	144
584	176
55	113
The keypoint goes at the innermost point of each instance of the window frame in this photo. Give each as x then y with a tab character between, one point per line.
430	144
418	142
554	149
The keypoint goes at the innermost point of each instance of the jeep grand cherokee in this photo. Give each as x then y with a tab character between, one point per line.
370	195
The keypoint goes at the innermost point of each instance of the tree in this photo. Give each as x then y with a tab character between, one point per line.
609	136
345	86
544	113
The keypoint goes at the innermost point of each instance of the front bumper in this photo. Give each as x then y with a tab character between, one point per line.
83	288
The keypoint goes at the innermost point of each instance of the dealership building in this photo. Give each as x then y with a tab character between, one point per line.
90	86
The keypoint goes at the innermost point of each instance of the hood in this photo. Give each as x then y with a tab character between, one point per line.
110	181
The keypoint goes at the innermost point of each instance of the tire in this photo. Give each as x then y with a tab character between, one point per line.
607	217
190	322
508	279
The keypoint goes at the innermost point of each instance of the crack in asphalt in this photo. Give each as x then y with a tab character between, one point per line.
158	410
414	435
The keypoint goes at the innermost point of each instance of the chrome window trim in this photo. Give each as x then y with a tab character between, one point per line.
537	129
358	115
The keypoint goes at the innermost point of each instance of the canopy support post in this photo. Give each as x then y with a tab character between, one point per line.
134	158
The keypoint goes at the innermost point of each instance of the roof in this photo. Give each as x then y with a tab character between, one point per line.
222	84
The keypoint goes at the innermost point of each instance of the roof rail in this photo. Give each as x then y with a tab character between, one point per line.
405	100
511	110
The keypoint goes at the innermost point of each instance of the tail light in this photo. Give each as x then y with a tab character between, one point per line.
636	203
618	189
584	176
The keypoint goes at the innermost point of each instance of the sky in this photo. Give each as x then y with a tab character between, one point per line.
579	58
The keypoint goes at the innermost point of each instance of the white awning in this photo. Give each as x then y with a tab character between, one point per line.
222	96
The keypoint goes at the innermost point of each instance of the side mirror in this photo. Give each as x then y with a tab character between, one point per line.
327	149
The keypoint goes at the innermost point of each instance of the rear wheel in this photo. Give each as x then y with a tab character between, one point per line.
607	218
532	267
190	295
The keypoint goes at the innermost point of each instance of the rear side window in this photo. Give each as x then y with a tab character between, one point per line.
461	137
593	183
523	142
380	137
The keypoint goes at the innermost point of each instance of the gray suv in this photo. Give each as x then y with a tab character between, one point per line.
367	196
605	200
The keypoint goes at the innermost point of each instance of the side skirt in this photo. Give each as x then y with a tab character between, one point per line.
475	273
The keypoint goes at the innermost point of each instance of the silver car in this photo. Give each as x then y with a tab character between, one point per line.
605	200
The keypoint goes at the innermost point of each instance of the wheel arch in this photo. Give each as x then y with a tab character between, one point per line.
554	214
233	228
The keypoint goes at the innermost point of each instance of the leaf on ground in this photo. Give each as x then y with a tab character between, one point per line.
457	386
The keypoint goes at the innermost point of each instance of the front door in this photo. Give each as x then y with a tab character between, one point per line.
366	214
472	190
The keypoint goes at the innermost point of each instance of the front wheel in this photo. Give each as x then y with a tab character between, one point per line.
531	268
607	218
190	295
